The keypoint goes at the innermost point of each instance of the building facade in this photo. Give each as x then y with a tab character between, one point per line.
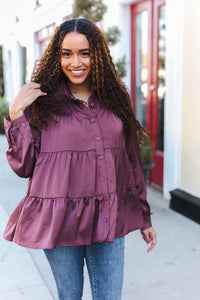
158	39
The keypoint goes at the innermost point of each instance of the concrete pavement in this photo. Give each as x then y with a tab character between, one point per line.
170	272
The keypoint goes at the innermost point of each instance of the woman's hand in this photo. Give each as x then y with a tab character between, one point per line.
26	96
149	235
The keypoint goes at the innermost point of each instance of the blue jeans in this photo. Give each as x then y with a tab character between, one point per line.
105	264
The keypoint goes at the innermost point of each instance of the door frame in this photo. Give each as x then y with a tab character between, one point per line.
152	6
158	155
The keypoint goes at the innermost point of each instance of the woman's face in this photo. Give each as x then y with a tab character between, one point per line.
75	58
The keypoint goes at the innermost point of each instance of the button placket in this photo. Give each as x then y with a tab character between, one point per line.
101	159
98	146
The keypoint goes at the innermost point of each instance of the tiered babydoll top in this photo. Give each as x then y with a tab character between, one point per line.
86	181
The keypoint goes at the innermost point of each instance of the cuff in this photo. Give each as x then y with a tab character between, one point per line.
8	125
147	225
16	122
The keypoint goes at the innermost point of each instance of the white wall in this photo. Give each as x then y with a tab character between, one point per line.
190	162
174	96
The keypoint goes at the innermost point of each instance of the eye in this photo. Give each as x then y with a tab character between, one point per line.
85	54
67	54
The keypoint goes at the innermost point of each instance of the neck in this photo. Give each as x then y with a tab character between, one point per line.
78	88
81	91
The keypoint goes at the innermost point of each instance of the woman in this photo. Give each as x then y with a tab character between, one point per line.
72	131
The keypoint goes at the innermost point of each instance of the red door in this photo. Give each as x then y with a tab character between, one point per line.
148	28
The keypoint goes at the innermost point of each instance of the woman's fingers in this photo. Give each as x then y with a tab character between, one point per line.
149	235
29	93
37	92
152	244
32	85
26	96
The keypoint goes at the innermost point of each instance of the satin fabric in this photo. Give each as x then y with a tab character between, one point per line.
86	181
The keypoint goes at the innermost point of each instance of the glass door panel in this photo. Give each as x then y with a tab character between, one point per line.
141	66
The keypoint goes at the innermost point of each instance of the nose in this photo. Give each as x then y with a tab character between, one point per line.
75	61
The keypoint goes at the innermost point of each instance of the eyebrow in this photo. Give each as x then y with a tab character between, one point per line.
82	50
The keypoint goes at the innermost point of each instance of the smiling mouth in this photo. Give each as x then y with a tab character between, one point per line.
77	71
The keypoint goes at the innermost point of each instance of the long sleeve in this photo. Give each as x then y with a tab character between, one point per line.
23	145
133	151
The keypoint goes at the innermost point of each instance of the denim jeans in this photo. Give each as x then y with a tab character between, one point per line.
105	265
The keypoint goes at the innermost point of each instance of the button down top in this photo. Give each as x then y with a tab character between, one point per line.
74	198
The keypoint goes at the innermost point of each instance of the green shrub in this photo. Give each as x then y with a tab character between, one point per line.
146	150
4	110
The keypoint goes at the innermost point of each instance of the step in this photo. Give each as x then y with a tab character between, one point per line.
186	204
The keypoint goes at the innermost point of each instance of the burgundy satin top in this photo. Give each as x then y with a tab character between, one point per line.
85	183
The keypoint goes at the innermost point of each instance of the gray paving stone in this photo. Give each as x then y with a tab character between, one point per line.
19	277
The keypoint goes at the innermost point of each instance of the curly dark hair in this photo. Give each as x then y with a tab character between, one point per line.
110	89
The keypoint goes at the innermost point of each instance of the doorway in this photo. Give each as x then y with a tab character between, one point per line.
148	74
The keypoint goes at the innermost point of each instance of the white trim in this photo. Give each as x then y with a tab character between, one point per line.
174	97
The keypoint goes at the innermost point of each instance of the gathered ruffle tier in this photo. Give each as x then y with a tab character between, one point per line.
46	222
81	173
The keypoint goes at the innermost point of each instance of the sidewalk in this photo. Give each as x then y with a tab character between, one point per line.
170	272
